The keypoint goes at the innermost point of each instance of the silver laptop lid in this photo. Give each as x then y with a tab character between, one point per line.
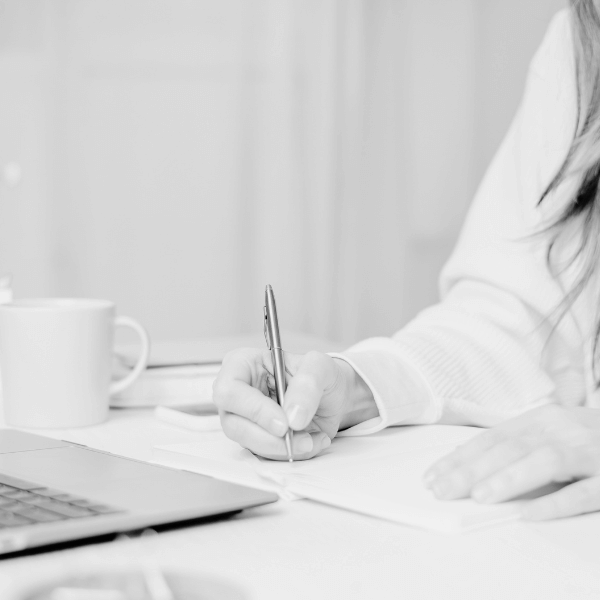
54	491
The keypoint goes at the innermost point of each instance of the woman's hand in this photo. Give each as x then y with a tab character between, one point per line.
323	395
545	445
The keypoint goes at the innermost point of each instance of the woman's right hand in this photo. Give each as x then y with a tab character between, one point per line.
323	395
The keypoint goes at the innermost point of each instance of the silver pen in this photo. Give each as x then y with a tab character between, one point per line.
273	340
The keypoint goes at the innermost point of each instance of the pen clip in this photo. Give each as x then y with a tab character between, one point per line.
267	335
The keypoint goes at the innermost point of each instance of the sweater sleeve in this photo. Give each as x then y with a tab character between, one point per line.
489	350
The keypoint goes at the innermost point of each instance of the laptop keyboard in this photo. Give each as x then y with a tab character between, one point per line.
25	503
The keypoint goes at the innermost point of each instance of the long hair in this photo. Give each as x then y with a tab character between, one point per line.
582	163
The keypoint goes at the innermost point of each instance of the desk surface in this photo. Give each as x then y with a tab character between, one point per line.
306	550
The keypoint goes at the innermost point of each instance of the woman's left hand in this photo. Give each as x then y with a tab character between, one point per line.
545	445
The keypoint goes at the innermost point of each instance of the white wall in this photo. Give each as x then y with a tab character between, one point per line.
160	142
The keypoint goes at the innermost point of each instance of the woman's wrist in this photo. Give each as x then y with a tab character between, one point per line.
360	404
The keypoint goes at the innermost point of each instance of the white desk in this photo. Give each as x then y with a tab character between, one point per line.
305	550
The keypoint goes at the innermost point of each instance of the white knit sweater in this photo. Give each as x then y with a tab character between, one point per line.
485	353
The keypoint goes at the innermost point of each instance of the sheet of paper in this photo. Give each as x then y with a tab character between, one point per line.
217	456
380	475
391	487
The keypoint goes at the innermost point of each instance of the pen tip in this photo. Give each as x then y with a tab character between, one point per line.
269	287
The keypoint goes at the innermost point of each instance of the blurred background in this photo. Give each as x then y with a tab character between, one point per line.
175	156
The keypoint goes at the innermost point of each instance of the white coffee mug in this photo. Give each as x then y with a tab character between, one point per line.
56	360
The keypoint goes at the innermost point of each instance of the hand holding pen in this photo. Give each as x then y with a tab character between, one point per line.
323	395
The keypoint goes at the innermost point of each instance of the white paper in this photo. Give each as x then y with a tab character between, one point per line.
380	475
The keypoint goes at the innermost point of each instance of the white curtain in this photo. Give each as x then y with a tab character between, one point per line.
177	156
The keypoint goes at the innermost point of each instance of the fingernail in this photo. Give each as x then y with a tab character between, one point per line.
429	478
535	513
297	417
278	427
305	443
527	514
442	489
482	493
325	442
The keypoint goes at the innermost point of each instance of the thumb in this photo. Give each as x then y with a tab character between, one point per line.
316	373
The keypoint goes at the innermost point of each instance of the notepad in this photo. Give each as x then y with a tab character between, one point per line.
378	475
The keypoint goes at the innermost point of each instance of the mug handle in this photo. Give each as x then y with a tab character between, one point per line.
140	365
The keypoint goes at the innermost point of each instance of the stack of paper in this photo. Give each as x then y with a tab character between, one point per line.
379	475
177	373
169	386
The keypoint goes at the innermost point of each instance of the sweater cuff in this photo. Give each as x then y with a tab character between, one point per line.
401	393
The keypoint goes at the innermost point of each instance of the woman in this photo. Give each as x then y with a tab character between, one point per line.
513	345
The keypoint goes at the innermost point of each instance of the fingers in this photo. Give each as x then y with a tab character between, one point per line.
241	365
545	445
540	467
316	374
463	455
250	435
248	402
577	498
233	392
506	470
457	477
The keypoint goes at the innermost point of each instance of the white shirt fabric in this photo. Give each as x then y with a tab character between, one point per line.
491	348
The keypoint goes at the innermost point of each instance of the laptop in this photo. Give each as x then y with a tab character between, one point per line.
52	492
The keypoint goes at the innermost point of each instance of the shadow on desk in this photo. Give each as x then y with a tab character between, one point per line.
115	536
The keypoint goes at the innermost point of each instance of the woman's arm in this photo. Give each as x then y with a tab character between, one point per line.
489	350
480	356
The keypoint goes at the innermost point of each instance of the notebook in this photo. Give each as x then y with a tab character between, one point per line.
168	386
378	475
180	372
